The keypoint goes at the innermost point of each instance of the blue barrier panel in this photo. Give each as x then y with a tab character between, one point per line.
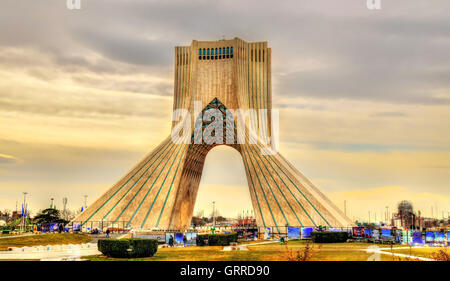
179	238
429	237
439	237
417	238
334	229
306	232
385	233
168	237
76	226
376	233
191	238
267	233
358	231
54	227
293	233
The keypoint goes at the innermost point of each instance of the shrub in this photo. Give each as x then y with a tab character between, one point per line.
304	254
143	247
128	248
217	239
441	255
329	236
201	238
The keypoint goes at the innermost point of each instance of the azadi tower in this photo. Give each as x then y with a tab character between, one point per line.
160	191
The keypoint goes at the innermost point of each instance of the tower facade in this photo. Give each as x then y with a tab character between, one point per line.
231	78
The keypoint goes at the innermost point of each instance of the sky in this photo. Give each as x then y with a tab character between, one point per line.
363	95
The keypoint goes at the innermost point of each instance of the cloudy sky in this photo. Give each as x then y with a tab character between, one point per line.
364	96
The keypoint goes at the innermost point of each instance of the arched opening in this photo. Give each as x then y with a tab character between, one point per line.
224	182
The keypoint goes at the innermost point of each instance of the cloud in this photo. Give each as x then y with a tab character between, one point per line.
389	114
354	53
8	159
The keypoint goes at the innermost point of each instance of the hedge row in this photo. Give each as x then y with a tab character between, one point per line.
329	236
128	248
217	239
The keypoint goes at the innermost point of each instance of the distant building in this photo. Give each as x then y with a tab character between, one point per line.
15	215
4	216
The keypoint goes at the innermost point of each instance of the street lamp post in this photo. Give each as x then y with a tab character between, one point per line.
387	215
345	207
85	201
24	219
214	214
64	209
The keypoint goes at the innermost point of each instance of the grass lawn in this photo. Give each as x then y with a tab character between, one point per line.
263	252
43	239
420	252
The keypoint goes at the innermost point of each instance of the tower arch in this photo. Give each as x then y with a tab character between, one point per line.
160	191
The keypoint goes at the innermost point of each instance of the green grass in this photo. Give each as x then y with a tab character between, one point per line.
263	252
43	239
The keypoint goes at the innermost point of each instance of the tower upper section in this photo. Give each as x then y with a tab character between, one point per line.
234	71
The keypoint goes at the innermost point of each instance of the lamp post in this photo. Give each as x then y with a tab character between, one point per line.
64	209
387	215
345	207
214	214
24	219
85	200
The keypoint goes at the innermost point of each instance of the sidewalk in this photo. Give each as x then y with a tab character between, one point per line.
51	252
14	236
383	251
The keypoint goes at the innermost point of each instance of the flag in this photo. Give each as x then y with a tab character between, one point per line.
22	209
81	208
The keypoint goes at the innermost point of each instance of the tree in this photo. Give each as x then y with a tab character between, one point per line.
49	215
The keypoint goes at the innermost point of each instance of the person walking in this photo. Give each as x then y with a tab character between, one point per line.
107	233
184	240
171	241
